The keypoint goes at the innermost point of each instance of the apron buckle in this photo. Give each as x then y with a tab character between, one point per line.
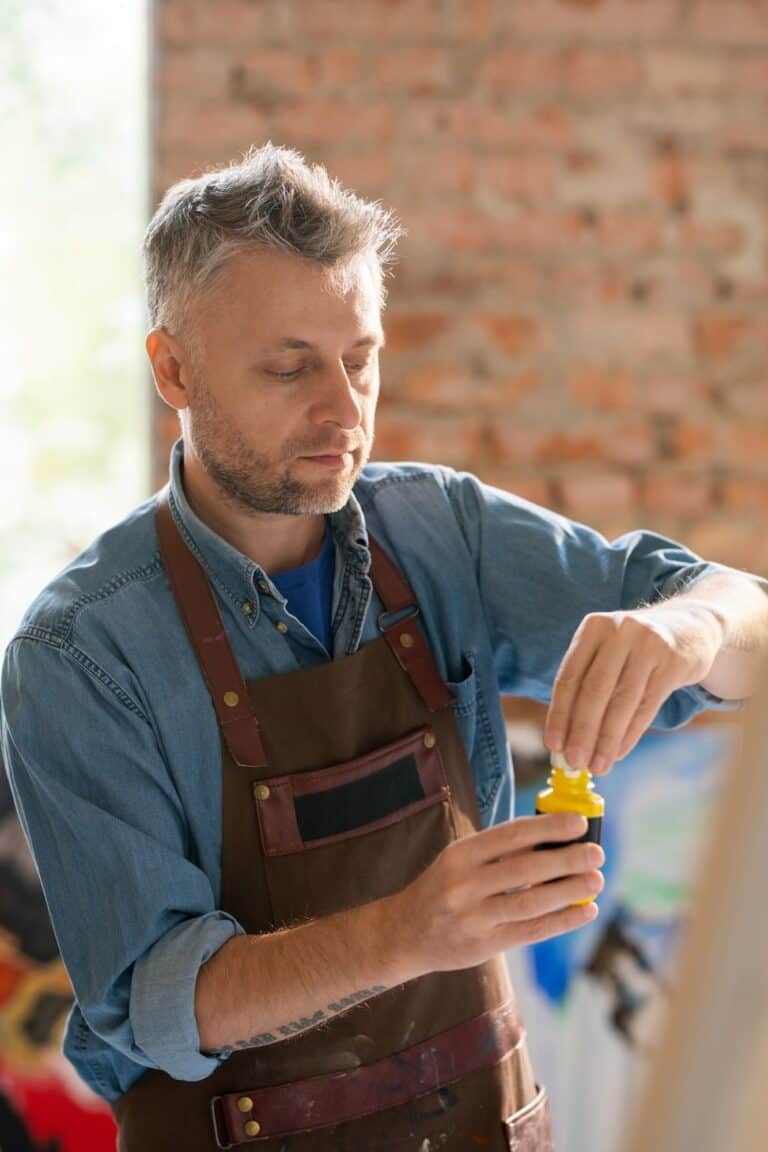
215	1119
397	612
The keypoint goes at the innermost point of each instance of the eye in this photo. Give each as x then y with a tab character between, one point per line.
284	375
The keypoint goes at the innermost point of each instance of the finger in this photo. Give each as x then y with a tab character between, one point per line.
518	835
573	667
596	689
544	927
660	687
532	903
533	868
631	698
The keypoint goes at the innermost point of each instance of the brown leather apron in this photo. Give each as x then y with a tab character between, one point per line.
341	783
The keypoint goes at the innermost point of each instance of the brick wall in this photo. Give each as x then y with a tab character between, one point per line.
579	314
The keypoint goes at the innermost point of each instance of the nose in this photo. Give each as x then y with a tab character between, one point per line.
339	401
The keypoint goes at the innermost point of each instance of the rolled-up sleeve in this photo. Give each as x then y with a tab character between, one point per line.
539	574
134	916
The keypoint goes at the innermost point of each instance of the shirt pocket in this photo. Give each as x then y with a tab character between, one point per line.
476	732
339	836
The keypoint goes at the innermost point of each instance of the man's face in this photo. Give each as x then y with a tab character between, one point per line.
289	370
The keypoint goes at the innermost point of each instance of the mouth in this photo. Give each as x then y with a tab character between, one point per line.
329	459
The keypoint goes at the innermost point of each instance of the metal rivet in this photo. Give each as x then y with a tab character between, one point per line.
261	791
252	1128
281	626
245	1104
247	607
407	640
231	699
429	740
263	585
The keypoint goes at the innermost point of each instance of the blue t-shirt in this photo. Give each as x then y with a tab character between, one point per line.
309	591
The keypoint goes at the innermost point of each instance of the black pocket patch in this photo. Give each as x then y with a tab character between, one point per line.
348	806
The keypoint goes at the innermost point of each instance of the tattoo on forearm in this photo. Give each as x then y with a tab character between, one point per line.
306	1022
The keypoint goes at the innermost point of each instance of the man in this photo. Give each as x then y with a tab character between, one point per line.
255	736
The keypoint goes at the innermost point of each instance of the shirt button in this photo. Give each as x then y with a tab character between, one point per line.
263	585
246	607
281	626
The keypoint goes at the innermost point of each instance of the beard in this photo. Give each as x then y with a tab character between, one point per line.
252	481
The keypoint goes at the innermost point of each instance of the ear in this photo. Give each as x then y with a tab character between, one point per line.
171	368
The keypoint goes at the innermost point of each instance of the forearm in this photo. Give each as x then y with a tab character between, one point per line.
739	609
260	989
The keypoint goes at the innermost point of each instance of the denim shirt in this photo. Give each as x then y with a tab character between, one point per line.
112	746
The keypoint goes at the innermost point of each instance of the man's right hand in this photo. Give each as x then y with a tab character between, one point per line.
483	894
492	891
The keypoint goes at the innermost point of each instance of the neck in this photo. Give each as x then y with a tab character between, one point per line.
276	543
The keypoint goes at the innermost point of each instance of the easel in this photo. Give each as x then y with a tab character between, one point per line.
707	1090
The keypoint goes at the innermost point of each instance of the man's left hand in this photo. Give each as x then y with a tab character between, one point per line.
618	671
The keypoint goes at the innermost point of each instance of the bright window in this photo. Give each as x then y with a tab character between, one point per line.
74	395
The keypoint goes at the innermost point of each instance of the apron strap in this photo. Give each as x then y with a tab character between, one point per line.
205	628
405	639
228	691
338	1097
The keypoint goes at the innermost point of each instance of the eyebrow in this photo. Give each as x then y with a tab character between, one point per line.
291	342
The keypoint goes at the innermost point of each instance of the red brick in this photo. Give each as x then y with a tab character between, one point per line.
720	335
676	494
601	388
416	71
693	442
608	331
475	20
729	22
588	282
587	494
751	75
476	122
746	445
324	121
512	442
211	22
527	485
524	175
673	71
747	397
371	172
457	441
225	127
624	231
268	75
738	541
668	393
408	330
382	20
631	442
528	231
195	75
671	179
745	494
453	387
575	71
594	20
712	237
512	335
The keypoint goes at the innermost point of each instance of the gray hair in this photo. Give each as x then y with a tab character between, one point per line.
271	199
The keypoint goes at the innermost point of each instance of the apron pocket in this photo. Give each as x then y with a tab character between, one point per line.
352	832
529	1130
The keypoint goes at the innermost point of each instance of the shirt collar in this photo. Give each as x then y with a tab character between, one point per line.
229	568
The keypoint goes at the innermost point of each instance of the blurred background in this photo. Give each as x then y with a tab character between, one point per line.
578	316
